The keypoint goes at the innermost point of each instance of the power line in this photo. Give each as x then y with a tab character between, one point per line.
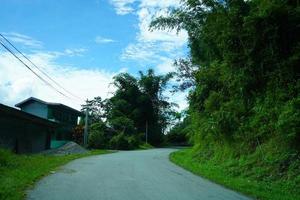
44	73
41	78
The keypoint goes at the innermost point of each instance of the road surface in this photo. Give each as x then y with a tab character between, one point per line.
128	175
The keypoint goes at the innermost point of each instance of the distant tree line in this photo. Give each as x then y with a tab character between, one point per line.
137	105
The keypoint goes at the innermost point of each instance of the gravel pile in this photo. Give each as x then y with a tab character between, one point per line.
68	148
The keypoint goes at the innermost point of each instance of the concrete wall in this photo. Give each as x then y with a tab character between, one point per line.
36	108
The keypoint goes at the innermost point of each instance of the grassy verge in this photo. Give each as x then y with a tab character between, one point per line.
280	189
145	146
18	172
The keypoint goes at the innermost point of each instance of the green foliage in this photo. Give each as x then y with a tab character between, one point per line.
244	175
146	146
246	85
123	124
103	137
119	142
288	124
243	75
5	158
95	108
123	142
98	137
178	134
136	105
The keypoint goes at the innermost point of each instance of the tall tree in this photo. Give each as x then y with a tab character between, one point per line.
139	104
243	69
157	110
95	108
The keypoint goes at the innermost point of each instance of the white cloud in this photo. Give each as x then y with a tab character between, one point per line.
161	40
101	40
155	46
75	52
146	15
180	98
18	83
166	65
160	3
140	52
23	39
123	7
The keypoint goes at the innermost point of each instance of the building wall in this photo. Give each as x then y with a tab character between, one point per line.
36	108
67	120
23	136
61	115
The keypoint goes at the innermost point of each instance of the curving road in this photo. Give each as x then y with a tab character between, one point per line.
128	175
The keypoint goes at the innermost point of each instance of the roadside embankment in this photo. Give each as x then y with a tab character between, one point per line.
246	175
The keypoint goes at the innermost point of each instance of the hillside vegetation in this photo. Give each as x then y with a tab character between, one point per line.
243	80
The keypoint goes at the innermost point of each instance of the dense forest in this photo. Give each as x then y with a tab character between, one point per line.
242	75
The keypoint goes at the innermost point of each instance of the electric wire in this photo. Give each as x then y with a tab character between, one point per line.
41	78
44	73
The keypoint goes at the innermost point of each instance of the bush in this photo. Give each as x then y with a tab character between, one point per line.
5	157
123	124
288	122
123	142
98	138
119	142
133	142
146	146
179	132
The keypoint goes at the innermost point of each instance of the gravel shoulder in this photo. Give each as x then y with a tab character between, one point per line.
66	149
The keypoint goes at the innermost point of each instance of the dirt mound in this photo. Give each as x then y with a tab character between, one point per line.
68	148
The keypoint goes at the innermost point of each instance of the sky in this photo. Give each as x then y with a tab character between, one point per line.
82	45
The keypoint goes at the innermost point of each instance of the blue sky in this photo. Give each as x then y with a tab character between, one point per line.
83	44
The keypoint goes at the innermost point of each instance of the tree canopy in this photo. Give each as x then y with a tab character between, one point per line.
243	67
137	104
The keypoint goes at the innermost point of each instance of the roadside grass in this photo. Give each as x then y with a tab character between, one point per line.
19	172
145	146
279	189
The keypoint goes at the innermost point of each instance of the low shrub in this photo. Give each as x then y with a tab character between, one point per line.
98	138
5	157
119	141
124	142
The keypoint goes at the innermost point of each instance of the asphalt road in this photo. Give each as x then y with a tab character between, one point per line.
128	175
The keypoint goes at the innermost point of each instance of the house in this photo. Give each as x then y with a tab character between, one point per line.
22	132
65	116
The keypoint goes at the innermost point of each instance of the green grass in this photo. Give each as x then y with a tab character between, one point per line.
145	146
19	172
230	176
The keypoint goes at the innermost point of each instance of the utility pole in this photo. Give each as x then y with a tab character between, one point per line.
146	135
85	135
